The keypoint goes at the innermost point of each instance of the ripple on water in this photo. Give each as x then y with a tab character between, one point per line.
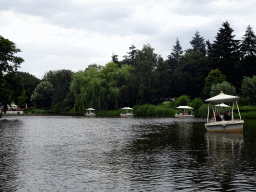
122	154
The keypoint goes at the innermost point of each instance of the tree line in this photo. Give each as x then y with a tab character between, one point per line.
141	77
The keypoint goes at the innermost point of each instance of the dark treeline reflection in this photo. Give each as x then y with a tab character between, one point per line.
9	143
120	154
185	153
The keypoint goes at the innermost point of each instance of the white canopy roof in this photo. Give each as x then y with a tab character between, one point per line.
91	109
128	108
222	98
222	105
184	107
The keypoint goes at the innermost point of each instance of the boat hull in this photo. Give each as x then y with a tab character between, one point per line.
225	126
90	115
184	116
126	115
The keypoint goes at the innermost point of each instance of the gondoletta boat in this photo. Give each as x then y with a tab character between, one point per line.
127	112
233	125
183	112
90	112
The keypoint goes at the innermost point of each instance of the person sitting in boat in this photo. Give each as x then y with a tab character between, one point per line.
227	116
212	119
217	116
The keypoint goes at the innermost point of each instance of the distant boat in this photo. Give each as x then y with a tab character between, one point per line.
90	112
183	113
233	125
127	112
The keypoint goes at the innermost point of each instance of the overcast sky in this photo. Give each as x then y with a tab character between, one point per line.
72	34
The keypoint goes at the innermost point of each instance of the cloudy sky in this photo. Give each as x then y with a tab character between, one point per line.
72	34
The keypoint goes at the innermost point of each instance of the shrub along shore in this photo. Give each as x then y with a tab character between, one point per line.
167	109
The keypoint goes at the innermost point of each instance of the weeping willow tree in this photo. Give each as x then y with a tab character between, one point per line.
104	89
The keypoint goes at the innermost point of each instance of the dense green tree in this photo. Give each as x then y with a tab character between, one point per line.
198	43
248	44
248	90
248	66
132	54
146	61
30	82
13	90
95	66
182	101
163	80
214	77
190	74
196	104
225	87
176	51
224	53
109	88
42	95
9	63
60	80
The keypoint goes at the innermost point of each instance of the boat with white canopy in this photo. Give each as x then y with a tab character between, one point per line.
90	112
183	113
233	125
127	112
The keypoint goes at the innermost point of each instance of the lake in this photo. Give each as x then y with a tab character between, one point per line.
58	153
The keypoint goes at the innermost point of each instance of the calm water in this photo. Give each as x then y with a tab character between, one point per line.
124	154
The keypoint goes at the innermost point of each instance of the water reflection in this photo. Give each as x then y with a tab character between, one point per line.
9	144
117	154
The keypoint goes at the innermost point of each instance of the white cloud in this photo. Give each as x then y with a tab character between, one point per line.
72	34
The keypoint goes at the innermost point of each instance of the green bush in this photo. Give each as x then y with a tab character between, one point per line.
182	101
144	110
203	110
196	104
164	111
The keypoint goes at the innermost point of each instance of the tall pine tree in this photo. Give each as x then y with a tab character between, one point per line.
224	53
198	43
248	44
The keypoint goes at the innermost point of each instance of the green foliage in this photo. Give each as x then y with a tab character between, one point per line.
198	43
30	82
8	62
144	110
12	90
190	73
248	44
38	111
224	53
225	86
109	88
182	101
108	113
162	110
214	77
10	86
203	111
165	111
248	90
146	61
60	80
42	95
196	104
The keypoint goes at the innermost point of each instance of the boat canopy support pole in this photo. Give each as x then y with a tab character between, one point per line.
213	113
208	114
233	111
238	110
